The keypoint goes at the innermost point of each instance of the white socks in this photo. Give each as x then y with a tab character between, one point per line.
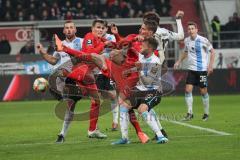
124	120
153	113
68	117
115	110
189	102
205	100
151	121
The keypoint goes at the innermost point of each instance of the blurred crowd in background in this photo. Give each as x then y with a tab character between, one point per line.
227	35
30	10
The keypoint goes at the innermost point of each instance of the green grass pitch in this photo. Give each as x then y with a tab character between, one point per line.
28	131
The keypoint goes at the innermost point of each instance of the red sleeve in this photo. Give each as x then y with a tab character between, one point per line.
90	46
130	37
103	39
156	53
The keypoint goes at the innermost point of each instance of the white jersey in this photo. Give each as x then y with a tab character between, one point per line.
150	73
163	36
109	37
64	60
197	51
106	51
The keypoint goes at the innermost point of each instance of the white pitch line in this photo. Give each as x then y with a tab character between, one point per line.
199	128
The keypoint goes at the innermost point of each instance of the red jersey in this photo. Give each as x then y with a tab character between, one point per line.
115	72
92	44
136	44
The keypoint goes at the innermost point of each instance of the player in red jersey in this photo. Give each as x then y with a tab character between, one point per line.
124	84
107	67
147	30
82	73
118	67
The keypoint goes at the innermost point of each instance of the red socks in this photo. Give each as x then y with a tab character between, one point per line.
134	122
94	112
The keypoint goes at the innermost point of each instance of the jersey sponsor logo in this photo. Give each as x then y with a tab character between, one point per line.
192	50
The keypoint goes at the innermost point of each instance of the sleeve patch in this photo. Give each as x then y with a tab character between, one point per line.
89	42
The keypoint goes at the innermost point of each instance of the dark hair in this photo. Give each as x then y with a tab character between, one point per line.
152	42
192	23
105	23
151	25
98	21
152	16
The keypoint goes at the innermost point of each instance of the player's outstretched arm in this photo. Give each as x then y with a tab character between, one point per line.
49	58
180	34
115	32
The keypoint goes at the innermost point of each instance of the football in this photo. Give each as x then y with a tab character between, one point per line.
40	84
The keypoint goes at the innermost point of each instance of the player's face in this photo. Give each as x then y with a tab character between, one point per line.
69	30
105	30
144	48
144	31
192	31
98	30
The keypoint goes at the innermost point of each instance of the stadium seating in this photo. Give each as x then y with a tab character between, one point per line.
11	10
189	8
